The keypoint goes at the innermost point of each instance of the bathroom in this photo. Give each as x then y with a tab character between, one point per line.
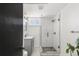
50	26
39	29
43	27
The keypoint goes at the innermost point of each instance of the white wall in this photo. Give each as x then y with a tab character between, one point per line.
69	22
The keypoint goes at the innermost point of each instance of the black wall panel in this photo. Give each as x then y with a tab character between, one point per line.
11	29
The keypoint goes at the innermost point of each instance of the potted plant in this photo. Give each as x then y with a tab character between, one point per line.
71	48
77	46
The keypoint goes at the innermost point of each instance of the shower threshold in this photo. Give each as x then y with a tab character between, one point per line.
49	51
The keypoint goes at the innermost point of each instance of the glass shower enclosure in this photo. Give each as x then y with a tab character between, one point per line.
50	36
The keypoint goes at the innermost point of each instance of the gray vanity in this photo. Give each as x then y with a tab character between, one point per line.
29	44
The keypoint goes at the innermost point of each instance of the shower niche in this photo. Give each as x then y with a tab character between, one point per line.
50	40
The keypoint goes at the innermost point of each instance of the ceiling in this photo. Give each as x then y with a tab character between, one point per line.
42	9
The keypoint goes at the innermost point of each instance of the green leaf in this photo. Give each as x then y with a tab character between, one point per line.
70	47
77	41
67	50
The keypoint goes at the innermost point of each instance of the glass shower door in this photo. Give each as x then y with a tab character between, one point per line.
50	36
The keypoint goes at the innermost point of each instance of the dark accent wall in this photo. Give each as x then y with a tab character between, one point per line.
11	29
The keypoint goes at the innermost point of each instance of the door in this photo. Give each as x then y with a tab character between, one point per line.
11	29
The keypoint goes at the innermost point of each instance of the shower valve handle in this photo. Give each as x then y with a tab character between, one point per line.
47	34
